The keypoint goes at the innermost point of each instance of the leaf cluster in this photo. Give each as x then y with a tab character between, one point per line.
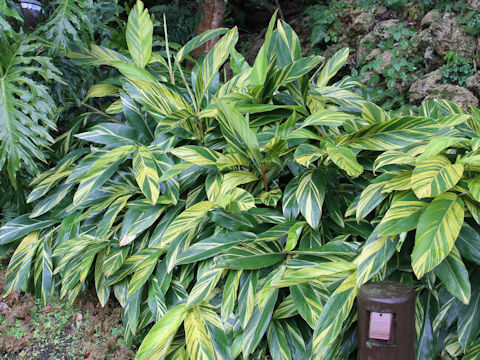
238	216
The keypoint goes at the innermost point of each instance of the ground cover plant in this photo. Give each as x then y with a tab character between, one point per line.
237	216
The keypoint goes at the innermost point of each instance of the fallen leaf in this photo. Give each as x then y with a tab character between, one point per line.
47	309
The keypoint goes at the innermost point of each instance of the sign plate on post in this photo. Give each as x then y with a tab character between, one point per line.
380	326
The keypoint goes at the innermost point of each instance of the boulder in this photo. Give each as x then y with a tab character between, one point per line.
430	18
379	33
473	5
430	86
362	23
473	83
447	35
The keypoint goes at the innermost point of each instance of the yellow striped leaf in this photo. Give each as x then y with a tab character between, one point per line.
454	275
435	175
345	159
155	345
332	66
391	134
334	313
402	216
373	114
310	195
437	230
18	269
199	344
145	172
376	252
139	34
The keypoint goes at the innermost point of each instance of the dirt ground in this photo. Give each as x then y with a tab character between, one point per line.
58	331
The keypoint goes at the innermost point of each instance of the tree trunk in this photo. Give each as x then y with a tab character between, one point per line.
211	17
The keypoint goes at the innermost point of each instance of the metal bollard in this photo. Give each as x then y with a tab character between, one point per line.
386	321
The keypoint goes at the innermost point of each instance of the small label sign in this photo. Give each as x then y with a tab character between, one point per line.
380	326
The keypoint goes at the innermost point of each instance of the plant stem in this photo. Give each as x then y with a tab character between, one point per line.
265	184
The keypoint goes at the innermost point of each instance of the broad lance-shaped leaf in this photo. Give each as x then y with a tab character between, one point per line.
256	255
183	229
327	118
454	275
308	302
139	34
213	245
310	195
435	175
375	254
146	174
391	134
468	326
260	66
402	216
198	41
345	159
333	315
373	114
198	155
204	286
277	342
20	227
212	62
155	345
437	230
332	66
337	269
43	272
197	339
19	266
230	293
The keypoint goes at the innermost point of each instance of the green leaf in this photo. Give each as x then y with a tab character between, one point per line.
277	342
155	345
345	159
258	324
18	269
376	252
139	34
212	62
204	286
438	144
198	155
435	175
310	195
260	66
306	298
453	274
271	197
146	174
391	134
468	326
43	273
213	245
402	216
332	66
338	269
437	230
333	315
373	114
327	118
468	243
252	256
198	41
20	227
230	293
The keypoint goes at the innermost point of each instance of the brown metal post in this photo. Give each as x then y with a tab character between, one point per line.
386	321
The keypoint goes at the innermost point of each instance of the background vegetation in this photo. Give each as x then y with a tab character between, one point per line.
174	186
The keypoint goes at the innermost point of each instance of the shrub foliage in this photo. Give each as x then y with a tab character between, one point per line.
239	215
